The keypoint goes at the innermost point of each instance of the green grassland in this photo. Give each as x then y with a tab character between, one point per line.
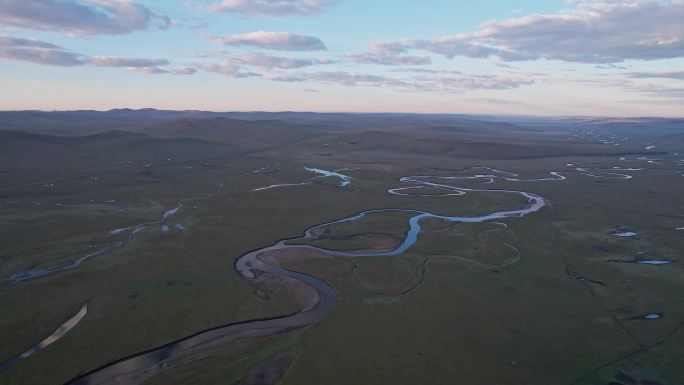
537	301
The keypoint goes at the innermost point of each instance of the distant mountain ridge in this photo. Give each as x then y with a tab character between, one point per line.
241	133
83	122
38	145
250	130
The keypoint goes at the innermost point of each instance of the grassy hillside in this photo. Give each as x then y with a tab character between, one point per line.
26	157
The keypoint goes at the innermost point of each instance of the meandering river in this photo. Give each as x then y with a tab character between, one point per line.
141	367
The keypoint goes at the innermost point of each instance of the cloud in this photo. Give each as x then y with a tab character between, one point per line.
38	52
41	52
425	71
389	55
139	65
421	83
154	70
450	46
266	62
608	31
653	75
85	17
281	41
113	61
611	67
338	77
183	71
480	82
496	101
149	70
227	68
658	90
241	66
272	7
648	83
389	59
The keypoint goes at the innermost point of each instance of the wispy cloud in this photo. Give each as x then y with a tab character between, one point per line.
281	41
496	101
441	84
450	46
227	68
243	65
389	59
113	61
140	65
272	7
85	17
41	52
611	67
267	62
38	52
679	75
183	71
478	82
590	32
338	77
654	89
382	55
154	70
426	71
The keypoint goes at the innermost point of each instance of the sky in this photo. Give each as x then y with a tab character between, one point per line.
531	57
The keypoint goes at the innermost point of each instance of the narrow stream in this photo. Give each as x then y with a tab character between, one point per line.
49	340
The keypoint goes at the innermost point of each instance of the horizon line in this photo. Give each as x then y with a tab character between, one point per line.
674	117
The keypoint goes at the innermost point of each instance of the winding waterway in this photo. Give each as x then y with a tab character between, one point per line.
35	273
141	367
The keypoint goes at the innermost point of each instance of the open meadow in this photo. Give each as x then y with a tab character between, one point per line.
341	249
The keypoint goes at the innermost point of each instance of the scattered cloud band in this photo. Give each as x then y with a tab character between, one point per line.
85	17
272	7
280	41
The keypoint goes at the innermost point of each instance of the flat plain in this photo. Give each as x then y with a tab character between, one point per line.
145	222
